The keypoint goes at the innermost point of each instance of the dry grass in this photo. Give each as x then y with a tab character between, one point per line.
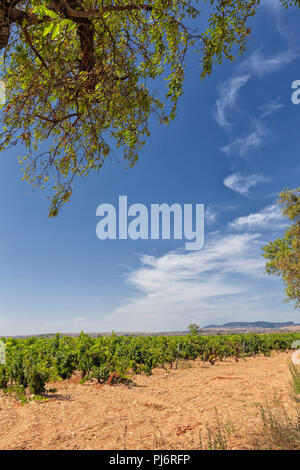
216	437
281	428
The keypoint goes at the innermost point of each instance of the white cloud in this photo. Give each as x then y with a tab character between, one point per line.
225	281
178	288
244	144
210	215
260	65
242	184
266	219
227	100
257	65
270	108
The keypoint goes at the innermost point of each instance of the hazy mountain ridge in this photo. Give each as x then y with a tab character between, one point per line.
256	324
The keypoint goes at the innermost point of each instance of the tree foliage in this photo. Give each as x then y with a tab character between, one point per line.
194	329
78	73
283	254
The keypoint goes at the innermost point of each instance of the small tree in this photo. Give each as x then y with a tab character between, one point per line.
194	329
283	254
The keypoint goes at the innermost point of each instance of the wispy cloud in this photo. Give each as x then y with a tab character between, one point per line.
270	108
255	66
177	288
259	64
223	281
266	219
228	93
210	215
242	184
250	141
280	19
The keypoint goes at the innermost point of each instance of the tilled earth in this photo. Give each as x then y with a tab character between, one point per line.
168	410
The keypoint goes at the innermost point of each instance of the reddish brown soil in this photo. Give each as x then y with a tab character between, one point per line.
163	411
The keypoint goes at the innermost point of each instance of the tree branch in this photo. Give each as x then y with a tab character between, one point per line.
28	39
96	12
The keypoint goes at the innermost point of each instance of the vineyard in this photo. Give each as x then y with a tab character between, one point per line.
31	363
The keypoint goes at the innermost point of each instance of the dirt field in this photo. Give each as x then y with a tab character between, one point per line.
164	411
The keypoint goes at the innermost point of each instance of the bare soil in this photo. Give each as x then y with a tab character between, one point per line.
168	410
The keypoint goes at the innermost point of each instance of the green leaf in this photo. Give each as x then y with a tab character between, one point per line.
48	29
56	31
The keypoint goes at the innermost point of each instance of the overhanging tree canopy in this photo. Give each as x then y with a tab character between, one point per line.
76	70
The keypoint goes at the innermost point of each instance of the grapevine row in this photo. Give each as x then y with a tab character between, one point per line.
31	363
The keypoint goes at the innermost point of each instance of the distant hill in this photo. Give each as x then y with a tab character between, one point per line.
256	324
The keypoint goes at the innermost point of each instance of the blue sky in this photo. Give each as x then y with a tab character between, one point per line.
233	147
